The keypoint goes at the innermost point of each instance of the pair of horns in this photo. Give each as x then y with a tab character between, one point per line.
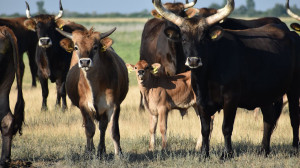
220	15
59	15
102	35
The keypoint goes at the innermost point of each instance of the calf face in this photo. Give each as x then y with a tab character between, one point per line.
86	45
143	69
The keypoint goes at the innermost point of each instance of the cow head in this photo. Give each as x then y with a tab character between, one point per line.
44	25
196	32
143	70
86	45
294	26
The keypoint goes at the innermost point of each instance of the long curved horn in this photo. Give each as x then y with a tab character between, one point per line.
189	5
221	14
27	10
292	14
103	35
167	14
61	11
66	34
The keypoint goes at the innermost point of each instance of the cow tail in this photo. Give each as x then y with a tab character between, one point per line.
19	107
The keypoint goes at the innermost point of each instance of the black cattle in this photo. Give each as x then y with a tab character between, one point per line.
27	41
52	60
10	64
240	68
294	26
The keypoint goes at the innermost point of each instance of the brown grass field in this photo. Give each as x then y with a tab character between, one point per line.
57	139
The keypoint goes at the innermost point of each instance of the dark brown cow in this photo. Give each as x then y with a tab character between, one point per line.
52	60
294	26
27	41
240	68
10	63
97	85
162	94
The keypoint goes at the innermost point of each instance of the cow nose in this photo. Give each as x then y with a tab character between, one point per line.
45	42
85	63
141	72
193	62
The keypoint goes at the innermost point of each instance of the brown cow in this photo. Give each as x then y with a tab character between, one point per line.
163	94
294	26
97	85
27	41
10	63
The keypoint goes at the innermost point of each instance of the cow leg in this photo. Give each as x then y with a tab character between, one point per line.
102	127
89	126
6	130
271	114
32	65
153	125
294	117
229	110
115	131
163	124
58	93
205	131
64	96
141	107
45	92
61	94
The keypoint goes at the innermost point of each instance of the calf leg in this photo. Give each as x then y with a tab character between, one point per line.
102	127
271	114
163	127
153	124
45	92
115	131
89	129
141	107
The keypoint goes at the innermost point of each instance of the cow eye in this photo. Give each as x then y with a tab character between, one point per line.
135	68
95	47
75	48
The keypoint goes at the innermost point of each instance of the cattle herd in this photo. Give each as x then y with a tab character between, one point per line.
189	57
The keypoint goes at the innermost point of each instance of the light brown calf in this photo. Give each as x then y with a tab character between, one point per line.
163	94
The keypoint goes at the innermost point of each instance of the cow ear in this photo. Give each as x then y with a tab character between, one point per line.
60	23
155	68
172	34
130	67
30	24
67	44
191	12
156	14
215	33
296	27
106	43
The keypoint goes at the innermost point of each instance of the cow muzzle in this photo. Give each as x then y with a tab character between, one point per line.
85	63
141	74
193	62
45	42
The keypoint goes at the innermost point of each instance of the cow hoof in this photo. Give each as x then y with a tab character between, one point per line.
263	151
226	155
44	108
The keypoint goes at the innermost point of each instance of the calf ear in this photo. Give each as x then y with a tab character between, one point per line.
30	24
191	12
155	68
60	23
106	43
296	27
216	32
156	14
130	67
67	44
172	34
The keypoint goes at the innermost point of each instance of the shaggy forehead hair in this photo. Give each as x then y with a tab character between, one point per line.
44	18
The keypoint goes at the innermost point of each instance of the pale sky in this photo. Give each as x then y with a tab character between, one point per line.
122	6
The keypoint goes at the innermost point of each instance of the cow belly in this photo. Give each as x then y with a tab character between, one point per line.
104	104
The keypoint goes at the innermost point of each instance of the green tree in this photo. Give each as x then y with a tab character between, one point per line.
40	5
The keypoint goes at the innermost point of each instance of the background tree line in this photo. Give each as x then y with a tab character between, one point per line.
247	10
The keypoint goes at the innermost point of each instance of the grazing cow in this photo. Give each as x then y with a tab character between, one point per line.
27	41
239	68
156	48
10	64
294	26
52	60
97	85
162	94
